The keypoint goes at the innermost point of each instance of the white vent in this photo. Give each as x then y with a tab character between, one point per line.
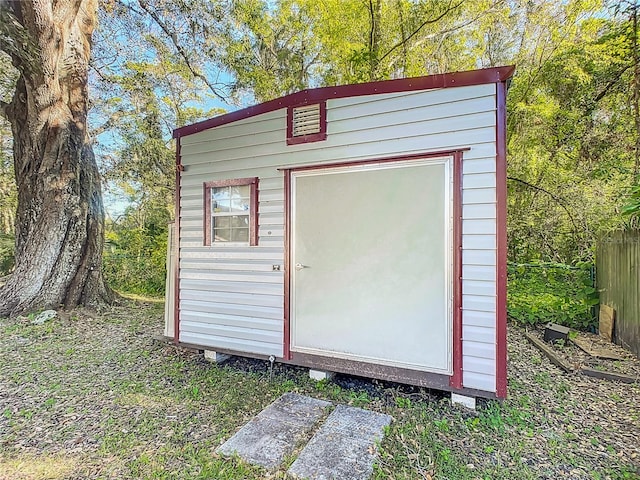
306	120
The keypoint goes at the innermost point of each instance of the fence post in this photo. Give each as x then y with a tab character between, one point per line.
169	296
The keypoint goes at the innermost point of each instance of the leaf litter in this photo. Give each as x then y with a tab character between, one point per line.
91	395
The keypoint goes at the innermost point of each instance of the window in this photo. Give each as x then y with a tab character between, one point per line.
231	211
307	123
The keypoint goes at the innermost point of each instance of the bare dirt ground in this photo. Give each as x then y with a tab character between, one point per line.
93	396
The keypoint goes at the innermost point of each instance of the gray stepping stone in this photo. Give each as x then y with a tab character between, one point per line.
344	447
275	432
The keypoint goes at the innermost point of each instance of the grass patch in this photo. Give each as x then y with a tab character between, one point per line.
32	467
95	397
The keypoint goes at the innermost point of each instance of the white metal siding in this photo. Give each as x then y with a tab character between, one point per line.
231	297
479	269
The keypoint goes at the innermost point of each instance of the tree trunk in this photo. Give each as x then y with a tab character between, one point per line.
60	217
375	34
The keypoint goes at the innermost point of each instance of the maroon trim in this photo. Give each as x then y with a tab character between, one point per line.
501	232
231	182
287	259
176	287
315	137
455	380
254	214
435	381
398	158
253	210
206	208
456	79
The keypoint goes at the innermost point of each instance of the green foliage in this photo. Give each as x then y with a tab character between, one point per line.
275	48
571	136
271	51
8	193
8	190
556	293
7	245
632	207
135	252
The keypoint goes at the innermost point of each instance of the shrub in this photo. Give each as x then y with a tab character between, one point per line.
135	251
541	293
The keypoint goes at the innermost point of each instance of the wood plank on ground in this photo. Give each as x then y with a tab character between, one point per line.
344	447
276	431
595	350
550	354
618	377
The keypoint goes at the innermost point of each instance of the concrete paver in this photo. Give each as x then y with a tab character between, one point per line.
275	432
344	447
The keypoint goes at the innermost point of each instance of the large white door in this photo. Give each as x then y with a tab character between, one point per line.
371	259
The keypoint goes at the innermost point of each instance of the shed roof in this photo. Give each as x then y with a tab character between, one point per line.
444	80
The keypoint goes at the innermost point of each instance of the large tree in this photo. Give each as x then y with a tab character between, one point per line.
60	215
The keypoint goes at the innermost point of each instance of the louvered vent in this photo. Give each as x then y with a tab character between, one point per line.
306	120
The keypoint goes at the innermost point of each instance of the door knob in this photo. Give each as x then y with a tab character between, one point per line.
300	266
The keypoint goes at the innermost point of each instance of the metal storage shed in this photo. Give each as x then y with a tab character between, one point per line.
357	229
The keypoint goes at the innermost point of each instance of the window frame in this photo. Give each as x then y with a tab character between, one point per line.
314	137
207	187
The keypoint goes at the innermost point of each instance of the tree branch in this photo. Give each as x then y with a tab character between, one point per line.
424	24
181	51
373	26
98	72
374	38
609	85
558	200
117	115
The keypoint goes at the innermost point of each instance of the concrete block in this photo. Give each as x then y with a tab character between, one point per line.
320	375
215	357
468	402
554	332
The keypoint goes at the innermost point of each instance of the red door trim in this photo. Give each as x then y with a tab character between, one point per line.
455	381
456	378
501	233
287	262
176	287
369	161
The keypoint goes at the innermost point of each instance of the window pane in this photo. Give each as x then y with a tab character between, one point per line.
240	205
221	222
220	199
240	235
221	235
241	191
240	198
239	221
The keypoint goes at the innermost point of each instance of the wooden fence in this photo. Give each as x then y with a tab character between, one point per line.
618	281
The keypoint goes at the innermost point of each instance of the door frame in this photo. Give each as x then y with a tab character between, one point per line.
455	378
